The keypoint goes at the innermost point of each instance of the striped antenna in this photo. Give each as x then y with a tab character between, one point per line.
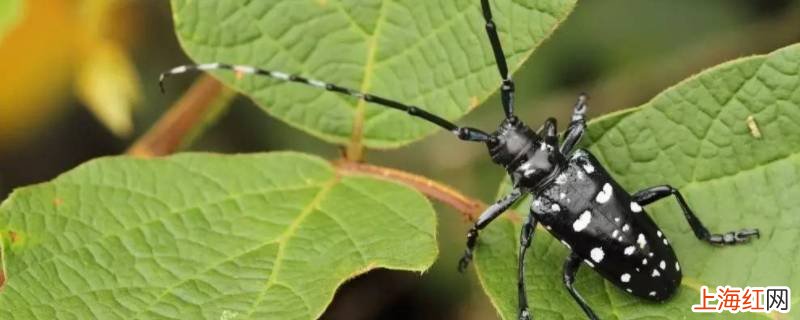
463	133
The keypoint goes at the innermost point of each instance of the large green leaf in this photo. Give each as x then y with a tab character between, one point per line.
200	236
733	171
434	54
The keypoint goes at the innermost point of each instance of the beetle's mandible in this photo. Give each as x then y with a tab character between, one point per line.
575	198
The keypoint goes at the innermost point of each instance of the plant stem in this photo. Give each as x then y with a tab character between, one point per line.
469	207
169	133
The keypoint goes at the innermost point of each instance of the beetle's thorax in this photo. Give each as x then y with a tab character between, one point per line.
530	160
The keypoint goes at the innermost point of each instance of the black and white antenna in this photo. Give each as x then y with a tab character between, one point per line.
463	133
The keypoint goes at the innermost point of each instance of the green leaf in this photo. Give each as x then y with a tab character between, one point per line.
10	13
201	236
697	137
434	54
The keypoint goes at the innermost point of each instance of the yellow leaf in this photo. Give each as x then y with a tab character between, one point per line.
37	61
107	83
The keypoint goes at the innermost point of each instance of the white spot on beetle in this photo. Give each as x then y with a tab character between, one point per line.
629	290
317	83
179	69
616	219
562	195
525	166
619	238
588	263
652	293
641	241
561	179
626	227
637	269
548	227
666	242
582	221
659	233
597	254
644	261
604	195
625	277
555	207
244	69
566	244
663	265
635	207
629	250
655	273
280	75
208	66
677	266
615	233
588	167
529	173
650	254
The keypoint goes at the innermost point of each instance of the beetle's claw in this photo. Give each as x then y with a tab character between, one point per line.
734	237
744	235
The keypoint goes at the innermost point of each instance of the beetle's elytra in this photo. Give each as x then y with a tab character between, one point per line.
575	198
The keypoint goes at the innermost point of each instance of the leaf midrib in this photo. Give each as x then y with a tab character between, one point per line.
357	135
284	238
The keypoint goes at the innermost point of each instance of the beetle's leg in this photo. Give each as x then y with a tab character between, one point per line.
507	85
525	239
571	266
486	217
549	131
653	194
577	126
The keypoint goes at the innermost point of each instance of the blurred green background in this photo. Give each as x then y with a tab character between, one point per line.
78	80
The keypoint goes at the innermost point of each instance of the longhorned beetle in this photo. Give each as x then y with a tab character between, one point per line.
575	198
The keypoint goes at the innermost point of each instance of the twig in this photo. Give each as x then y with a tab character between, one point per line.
169	133
470	207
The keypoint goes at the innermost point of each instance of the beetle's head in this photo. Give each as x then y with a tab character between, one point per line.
522	151
511	141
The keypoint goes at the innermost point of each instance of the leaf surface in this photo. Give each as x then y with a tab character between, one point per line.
734	172
201	236
434	54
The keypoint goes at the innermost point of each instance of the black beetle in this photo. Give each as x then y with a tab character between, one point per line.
574	197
